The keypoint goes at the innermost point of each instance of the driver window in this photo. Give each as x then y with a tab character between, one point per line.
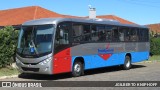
62	34
62	37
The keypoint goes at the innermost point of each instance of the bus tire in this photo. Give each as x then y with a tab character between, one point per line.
77	69
127	63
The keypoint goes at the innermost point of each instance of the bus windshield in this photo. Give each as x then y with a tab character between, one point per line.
35	40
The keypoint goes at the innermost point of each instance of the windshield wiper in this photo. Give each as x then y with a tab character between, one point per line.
22	50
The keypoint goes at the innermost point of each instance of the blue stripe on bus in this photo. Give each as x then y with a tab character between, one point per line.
95	61
139	56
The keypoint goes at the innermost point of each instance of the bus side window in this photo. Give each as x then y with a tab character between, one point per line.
121	33
134	36
101	33
101	36
62	34
77	32
127	34
81	32
115	34
141	34
94	33
145	35
86	33
108	35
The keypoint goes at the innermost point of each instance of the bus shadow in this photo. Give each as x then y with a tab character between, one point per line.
110	69
68	75
44	77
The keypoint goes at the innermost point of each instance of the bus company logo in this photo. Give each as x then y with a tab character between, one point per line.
6	84
107	50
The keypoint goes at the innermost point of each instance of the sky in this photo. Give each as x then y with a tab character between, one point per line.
138	11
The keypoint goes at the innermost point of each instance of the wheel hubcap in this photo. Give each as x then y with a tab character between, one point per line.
77	68
128	63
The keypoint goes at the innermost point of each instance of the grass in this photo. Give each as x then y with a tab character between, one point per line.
155	58
8	71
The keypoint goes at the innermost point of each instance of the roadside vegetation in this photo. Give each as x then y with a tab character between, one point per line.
155	45
8	44
155	58
8	71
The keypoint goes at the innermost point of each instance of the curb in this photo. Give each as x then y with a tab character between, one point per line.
154	61
5	77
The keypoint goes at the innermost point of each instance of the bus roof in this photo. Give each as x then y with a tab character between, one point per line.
83	20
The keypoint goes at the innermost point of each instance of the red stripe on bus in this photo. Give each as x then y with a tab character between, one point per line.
62	62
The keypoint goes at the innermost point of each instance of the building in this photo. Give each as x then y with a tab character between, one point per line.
17	16
155	29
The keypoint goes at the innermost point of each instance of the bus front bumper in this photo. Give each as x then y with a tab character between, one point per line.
44	67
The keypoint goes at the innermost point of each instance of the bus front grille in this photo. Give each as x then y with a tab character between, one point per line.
30	69
30	63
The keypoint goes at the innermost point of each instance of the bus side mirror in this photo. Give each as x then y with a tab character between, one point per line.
61	33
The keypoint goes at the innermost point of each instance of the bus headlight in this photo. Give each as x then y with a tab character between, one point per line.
46	61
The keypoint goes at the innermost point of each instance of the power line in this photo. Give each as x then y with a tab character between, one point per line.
144	1
140	3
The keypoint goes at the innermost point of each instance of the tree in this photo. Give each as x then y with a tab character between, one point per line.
8	44
155	45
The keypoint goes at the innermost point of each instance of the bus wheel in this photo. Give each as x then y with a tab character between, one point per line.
127	63
77	69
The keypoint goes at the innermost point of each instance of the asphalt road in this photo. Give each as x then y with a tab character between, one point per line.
138	72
